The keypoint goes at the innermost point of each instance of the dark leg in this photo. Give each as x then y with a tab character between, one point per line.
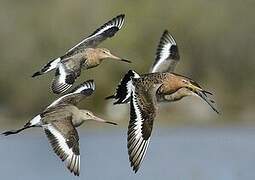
7	133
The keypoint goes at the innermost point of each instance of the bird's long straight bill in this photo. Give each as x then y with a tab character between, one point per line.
206	99
125	60
104	121
118	58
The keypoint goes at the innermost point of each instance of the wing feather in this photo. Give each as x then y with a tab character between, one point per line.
142	114
107	30
64	140
76	95
167	54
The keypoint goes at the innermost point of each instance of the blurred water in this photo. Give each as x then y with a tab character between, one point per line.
174	153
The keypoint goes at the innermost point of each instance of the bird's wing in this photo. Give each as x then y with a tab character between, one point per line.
102	33
64	140
167	54
142	114
123	90
65	76
76	95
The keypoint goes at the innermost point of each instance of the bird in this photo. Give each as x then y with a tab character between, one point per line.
166	58
84	55
59	121
142	92
145	91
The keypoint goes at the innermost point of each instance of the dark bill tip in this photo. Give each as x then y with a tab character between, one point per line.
209	101
125	60
113	123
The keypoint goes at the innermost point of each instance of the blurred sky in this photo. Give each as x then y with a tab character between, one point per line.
216	41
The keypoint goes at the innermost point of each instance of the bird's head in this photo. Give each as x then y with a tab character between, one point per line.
194	89
104	53
88	115
190	84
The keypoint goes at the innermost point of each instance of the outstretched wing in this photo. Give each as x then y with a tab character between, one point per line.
167	54
76	95
123	90
68	70
63	80
64	140
102	33
142	114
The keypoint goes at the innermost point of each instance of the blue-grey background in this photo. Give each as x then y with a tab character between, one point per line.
174	153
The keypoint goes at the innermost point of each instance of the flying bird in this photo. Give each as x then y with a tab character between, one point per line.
59	121
84	55
166	59
144	92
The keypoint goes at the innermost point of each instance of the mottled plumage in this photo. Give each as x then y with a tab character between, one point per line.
143	110
144	92
167	57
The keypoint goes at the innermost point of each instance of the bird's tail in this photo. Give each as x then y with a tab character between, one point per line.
123	91
47	67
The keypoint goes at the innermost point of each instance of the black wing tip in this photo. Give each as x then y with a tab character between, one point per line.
121	93
166	32
76	174
56	91
90	83
60	88
135	169
121	16
38	73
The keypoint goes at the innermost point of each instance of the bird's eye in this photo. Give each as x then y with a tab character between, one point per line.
184	81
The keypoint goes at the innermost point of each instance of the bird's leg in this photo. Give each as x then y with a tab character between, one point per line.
7	133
